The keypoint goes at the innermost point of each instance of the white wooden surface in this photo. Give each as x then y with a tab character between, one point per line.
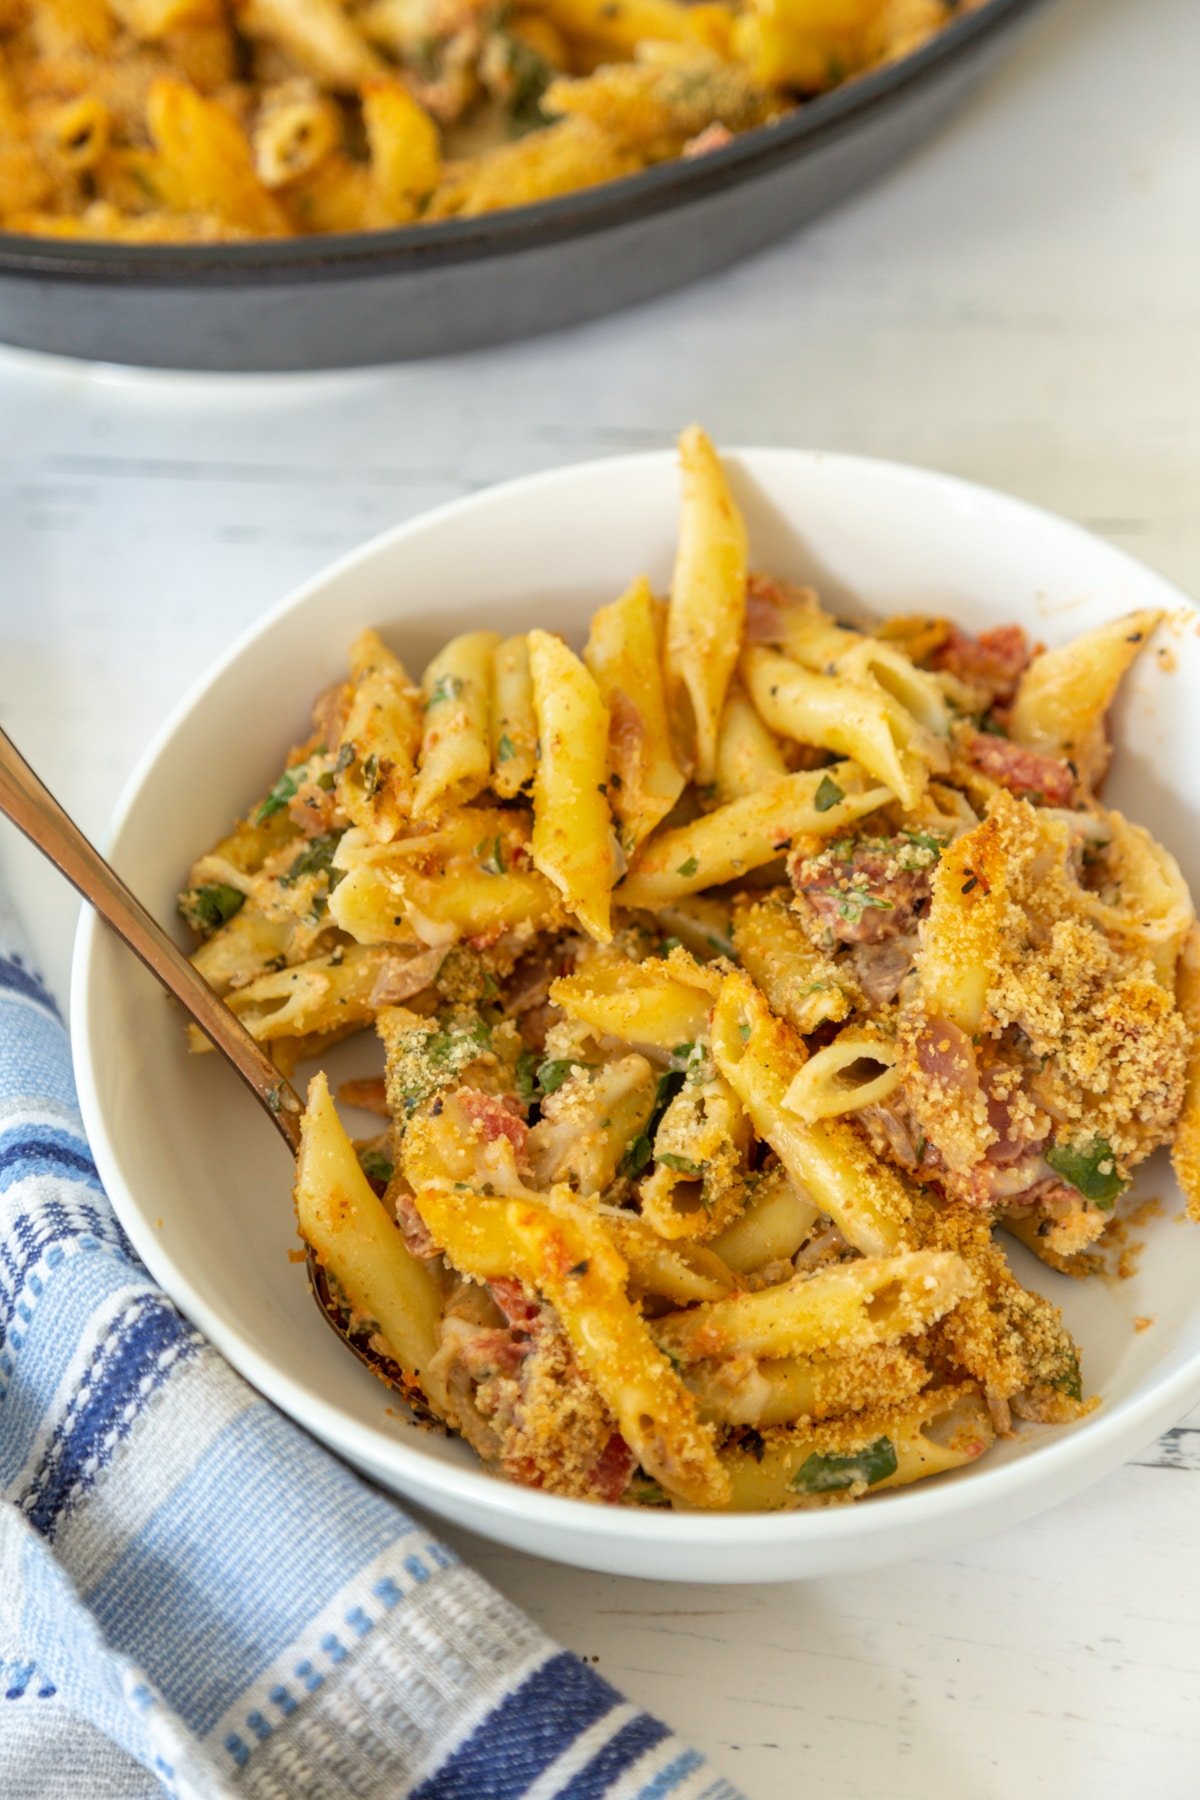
1018	304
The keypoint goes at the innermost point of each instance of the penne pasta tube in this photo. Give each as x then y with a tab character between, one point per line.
774	1223
319	35
1064	695
961	936
859	1068
659	1003
708	599
206	162
759	1056
456	759
842	1307
748	755
744	1391
851	718
360	1246
514	727
572	830
943	1430
730	842
405	150
622	654
377	750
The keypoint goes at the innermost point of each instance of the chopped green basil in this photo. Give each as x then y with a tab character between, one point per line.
316	858
853	903
558	1069
682	1165
209	907
828	1474
828	794
285	789
688	869
430	1059
375	1166
637	1154
1093	1171
491	857
446	687
526	1074
505	749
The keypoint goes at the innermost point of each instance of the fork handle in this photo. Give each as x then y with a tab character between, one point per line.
34	810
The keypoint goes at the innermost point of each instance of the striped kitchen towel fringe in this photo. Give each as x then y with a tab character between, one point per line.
194	1597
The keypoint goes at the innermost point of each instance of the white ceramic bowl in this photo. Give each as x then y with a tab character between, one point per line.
198	1177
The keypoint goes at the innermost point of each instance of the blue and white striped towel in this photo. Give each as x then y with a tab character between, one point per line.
195	1598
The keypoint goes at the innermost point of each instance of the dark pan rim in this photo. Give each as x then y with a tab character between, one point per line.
519	228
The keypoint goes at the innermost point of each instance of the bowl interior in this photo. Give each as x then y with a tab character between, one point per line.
198	1180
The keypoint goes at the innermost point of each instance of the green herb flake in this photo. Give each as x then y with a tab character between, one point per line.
490	856
828	794
925	840
830	1474
316	858
637	1156
744	1031
526	1074
375	1166
642	1491
505	749
284	790
854	902
345	757
558	1069
682	1165
209	907
688	869
446	687
1092	1170
431	1059
1070	1382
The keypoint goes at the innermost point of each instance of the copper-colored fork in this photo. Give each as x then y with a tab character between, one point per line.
33	809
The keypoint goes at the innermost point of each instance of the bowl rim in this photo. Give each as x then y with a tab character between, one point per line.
1014	1486
678	182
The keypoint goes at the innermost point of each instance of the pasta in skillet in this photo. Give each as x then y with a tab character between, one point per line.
197	121
735	980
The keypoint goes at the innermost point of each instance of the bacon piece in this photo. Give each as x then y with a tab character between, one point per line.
1023	772
413	1228
495	1116
487	1354
522	1313
946	1055
610	1477
995	660
866	896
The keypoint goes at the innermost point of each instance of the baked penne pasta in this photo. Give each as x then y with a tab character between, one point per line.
685	1184
622	654
708	600
572	832
456	756
736	839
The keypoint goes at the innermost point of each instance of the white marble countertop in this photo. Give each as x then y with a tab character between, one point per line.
1020	303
